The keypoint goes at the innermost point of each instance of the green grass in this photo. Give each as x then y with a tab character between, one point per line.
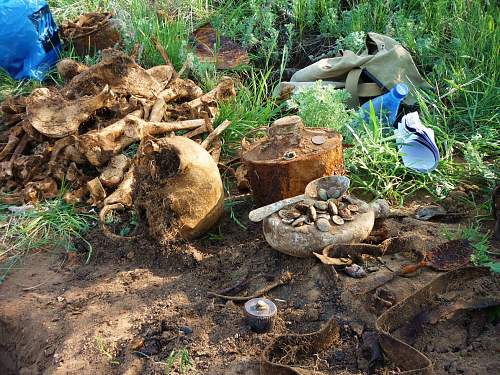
180	361
50	225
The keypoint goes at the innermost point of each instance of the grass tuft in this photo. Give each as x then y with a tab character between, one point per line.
49	225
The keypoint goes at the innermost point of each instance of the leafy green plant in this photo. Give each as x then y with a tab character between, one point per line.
354	41
322	106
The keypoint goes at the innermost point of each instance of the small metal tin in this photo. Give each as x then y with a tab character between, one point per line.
260	314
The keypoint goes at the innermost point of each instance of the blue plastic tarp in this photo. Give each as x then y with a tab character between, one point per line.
29	40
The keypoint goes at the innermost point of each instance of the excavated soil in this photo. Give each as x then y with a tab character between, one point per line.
137	301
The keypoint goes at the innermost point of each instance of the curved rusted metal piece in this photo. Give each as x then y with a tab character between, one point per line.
302	344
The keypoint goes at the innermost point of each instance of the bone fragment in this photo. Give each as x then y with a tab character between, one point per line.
162	74
123	194
193	133
223	91
157	110
113	174
97	192
215	134
21	146
216	151
181	89
76	196
69	68
14	138
117	70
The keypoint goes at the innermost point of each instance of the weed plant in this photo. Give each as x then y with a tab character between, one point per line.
322	106
49	225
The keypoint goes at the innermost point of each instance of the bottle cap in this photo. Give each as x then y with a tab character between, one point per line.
400	90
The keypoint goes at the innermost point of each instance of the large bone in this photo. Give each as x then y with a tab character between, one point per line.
181	89
56	117
99	146
223	91
141	128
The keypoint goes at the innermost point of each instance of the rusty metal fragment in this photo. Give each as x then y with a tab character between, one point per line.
218	49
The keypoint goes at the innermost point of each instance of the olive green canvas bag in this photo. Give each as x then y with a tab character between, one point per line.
381	66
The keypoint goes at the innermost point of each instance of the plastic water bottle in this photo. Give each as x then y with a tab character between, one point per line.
386	106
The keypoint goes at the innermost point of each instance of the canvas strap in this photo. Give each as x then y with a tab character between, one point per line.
357	89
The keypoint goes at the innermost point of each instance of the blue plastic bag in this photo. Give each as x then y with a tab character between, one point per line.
29	40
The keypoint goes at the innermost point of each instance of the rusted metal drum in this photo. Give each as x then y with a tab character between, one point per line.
282	164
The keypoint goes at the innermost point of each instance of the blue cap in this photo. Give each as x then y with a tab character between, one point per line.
400	90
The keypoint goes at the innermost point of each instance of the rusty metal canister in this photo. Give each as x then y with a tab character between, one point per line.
283	163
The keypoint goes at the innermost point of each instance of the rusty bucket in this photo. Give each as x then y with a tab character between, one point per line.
283	163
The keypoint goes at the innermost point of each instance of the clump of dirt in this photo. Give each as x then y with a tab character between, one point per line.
468	343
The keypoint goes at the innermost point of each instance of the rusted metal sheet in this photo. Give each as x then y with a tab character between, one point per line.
218	49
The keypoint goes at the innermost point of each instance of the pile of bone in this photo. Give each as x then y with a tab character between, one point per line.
80	135
330	208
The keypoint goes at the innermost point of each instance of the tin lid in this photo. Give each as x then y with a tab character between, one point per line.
260	308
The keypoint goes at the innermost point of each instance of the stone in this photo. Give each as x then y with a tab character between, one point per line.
322	194
321	205
312	213
323	225
332	208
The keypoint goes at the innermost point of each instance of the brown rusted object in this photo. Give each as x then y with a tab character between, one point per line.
298	346
281	165
91	32
218	49
285	278
448	256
